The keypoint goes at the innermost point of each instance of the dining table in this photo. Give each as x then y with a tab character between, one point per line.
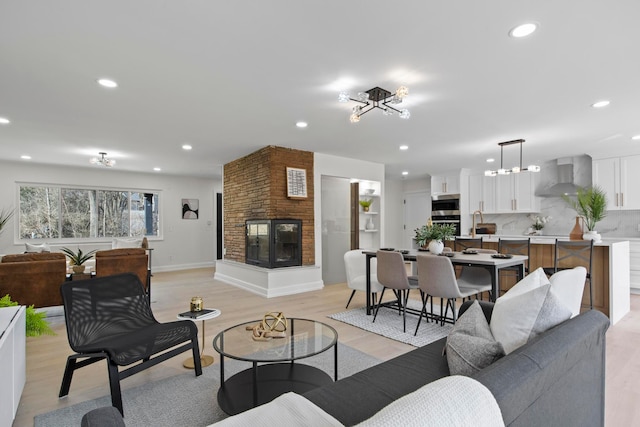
489	262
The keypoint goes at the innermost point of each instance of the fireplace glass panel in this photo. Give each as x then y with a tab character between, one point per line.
274	243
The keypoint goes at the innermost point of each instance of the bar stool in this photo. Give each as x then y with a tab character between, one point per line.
573	253
515	247
463	243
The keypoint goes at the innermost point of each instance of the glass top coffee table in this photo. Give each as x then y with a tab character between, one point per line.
277	373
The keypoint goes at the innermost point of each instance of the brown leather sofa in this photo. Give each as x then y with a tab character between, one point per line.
33	278
125	260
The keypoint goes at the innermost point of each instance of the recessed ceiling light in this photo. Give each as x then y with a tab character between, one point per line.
635	137
186	147
523	30
107	83
157	169
491	160
404	147
25	157
600	104
4	121
405	173
302	124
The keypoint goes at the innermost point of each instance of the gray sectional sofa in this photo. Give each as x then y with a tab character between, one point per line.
556	379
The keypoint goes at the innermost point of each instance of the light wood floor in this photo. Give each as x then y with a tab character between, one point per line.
172	291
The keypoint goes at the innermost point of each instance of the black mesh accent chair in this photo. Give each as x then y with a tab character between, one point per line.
110	318
392	274
573	253
462	243
514	247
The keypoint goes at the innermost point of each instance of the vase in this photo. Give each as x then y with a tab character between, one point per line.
576	232
436	247
365	209
78	269
370	225
592	235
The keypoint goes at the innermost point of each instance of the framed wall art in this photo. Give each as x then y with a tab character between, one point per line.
190	208
296	183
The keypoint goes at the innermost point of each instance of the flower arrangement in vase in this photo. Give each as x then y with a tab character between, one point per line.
434	235
538	224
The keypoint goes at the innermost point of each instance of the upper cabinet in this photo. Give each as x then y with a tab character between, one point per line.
445	184
482	194
618	177
516	193
503	193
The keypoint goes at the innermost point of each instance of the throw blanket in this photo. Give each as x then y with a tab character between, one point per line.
290	409
453	401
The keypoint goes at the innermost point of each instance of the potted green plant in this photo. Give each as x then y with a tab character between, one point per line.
590	204
5	216
77	259
434	235
366	203
36	324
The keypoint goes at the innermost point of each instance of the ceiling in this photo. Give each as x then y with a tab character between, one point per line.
231	76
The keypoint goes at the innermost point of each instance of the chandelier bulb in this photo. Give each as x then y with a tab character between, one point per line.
402	92
343	97
355	118
405	114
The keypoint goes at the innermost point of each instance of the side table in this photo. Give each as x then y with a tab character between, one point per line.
205	359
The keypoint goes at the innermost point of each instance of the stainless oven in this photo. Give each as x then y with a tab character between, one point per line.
445	209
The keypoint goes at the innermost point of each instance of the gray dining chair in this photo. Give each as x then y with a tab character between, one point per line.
437	278
392	274
477	277
356	269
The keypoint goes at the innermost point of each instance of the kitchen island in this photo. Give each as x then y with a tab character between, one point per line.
610	273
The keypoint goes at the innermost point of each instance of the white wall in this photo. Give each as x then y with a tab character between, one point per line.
394	219
183	244
342	167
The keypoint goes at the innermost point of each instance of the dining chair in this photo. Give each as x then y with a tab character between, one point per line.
437	278
477	277
573	253
392	274
514	247
463	243
356	269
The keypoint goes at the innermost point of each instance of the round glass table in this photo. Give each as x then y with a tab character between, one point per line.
273	370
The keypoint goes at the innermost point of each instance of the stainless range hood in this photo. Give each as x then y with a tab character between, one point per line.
565	185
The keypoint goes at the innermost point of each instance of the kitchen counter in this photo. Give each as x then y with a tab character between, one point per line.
610	274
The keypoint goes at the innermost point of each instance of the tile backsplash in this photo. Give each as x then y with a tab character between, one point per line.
623	224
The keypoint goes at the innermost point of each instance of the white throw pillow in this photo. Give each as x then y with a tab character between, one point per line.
568	286
120	243
533	280
29	248
517	319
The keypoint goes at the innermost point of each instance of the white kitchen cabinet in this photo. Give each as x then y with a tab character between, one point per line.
445	184
516	193
619	177
482	194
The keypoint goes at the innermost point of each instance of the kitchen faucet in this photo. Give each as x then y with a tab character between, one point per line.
473	226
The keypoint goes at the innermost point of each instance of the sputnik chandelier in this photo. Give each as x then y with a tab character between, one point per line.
515	169
376	98
102	160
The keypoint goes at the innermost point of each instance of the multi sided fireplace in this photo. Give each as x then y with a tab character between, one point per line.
274	243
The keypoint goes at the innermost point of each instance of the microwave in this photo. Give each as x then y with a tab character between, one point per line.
445	205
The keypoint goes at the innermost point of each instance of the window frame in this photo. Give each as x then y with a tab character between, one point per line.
82	240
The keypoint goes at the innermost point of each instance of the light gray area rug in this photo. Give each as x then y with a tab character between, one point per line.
389	324
186	400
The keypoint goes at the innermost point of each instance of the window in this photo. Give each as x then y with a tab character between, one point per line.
52	212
